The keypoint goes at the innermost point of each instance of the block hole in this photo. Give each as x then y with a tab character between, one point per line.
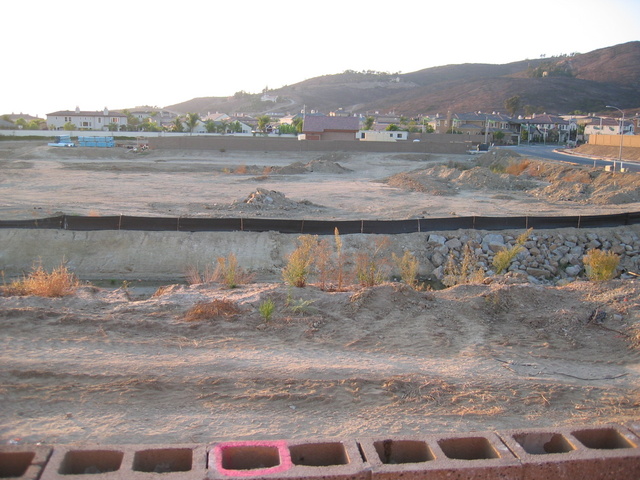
602	439
15	464
403	451
78	462
543	443
163	460
250	457
472	448
319	454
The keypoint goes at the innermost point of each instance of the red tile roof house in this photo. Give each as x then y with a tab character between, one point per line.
329	128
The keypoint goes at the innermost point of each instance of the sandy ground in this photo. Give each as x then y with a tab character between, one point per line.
39	181
118	366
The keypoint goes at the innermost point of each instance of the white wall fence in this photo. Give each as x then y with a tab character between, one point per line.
93	133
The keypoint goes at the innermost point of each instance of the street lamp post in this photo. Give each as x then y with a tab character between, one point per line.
621	138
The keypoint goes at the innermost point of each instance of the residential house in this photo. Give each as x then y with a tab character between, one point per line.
548	127
248	123
17	116
608	126
215	117
289	119
162	118
323	127
478	123
85	120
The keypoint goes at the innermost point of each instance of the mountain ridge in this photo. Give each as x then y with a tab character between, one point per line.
578	82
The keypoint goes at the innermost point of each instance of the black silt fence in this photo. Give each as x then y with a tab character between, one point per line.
320	227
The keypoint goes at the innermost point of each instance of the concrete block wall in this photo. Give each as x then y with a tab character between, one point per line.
607	451
119	462
23	461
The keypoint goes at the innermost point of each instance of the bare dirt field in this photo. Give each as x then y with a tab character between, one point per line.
116	366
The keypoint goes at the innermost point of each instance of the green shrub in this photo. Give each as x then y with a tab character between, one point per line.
502	259
266	309
600	266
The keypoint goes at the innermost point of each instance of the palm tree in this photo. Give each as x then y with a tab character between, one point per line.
223	126
177	125
263	121
192	121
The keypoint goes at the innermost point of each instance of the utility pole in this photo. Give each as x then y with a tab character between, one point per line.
621	138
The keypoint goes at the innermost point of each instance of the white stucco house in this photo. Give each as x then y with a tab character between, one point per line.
607	126
85	120
383	136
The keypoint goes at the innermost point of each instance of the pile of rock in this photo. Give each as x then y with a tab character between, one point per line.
546	257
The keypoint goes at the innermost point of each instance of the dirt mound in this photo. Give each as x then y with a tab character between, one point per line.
480	178
319	165
501	171
444	180
272	201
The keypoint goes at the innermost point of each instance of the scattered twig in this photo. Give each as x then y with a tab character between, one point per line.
591	379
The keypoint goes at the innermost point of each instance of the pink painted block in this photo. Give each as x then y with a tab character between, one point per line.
250	458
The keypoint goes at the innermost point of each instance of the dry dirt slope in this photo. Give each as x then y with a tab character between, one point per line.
103	367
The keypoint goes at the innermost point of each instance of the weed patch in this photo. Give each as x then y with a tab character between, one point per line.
467	271
230	273
266	309
211	310
298	267
371	268
600	266
408	265
502	260
59	282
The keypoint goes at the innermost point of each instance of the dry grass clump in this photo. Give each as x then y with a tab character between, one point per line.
600	266
456	273
211	310
59	282
517	168
408	265
299	263
371	267
230	273
193	276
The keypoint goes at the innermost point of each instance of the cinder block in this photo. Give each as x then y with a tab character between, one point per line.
602	452
84	462
115	462
327	459
292	460
23	461
477	456
256	459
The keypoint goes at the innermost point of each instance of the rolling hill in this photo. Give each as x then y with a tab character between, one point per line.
586	82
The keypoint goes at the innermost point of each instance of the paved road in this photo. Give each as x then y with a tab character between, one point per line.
547	151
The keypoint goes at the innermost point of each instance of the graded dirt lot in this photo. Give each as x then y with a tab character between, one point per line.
118	365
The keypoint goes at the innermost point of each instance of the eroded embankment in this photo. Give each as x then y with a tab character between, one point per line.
548	255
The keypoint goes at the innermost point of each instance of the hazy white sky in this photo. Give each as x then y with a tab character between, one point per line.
119	54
